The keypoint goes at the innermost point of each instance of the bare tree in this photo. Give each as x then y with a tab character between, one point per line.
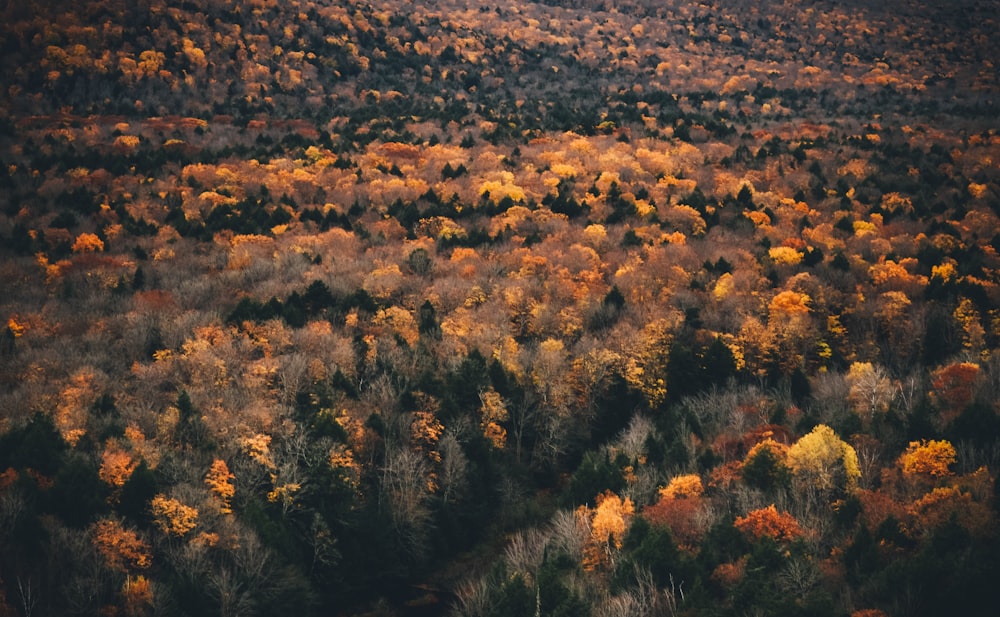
798	577
633	439
454	467
404	492
27	596
522	415
233	594
871	390
473	599
525	551
909	391
869	451
292	374
568	534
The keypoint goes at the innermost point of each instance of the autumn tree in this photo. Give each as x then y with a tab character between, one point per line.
121	547
928	458
681	508
88	243
608	522
768	522
954	386
822	461
493	413
173	517
765	466
220	482
116	468
137	596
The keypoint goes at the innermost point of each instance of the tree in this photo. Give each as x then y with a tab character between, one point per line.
971	323
928	458
137	596
88	243
493	412
595	475
764	467
871	390
78	495
680	508
823	461
718	365
427	321
122	548
116	466
136	493
608	522
769	523
687	486
954	386
405	489
173	517
36	445
220	482
684	376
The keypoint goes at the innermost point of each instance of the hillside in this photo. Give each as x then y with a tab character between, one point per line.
584	308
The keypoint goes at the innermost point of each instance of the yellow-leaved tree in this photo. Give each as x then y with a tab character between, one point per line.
823	461
608	523
688	486
492	412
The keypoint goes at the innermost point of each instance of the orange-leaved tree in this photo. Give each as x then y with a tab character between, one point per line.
116	468
88	243
173	517
768	522
220	482
928	458
946	505
122	548
681	508
688	486
137	596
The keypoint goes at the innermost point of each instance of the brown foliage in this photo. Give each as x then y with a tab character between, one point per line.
683	515
947	503
953	386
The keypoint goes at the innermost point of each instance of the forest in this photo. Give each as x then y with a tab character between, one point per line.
559	308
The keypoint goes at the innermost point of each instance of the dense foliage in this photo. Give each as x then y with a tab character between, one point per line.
536	308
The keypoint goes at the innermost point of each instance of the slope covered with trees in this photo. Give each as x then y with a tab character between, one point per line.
535	308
